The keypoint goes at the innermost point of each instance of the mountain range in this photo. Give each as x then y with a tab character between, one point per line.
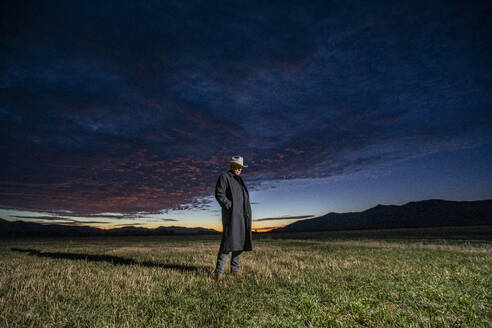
419	214
22	228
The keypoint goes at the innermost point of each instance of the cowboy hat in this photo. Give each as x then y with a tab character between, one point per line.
236	159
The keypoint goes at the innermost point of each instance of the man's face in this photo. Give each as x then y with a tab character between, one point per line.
236	169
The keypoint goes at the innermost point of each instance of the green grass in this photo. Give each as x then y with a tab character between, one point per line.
167	282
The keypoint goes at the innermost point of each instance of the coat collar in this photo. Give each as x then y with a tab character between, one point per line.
238	177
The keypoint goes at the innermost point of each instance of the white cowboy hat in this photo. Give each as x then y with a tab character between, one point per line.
236	159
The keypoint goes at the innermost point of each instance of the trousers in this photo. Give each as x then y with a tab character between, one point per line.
222	261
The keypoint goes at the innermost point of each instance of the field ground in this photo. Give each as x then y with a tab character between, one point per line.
407	278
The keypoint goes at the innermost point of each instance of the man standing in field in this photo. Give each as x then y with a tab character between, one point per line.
233	197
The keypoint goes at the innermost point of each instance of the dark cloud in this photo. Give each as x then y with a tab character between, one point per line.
134	106
58	219
264	229
285	218
130	225
81	224
75	220
48	218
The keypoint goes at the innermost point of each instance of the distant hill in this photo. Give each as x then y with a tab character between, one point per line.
22	228
426	213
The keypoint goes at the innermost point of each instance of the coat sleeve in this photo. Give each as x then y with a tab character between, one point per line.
220	193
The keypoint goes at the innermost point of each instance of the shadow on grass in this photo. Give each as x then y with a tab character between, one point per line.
116	260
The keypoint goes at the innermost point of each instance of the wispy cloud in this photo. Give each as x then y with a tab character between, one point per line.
56	219
284	218
78	220
59	220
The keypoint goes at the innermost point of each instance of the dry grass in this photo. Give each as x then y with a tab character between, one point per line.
167	282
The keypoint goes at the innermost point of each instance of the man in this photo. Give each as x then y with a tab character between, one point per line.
233	197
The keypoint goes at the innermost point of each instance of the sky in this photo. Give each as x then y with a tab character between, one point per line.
122	113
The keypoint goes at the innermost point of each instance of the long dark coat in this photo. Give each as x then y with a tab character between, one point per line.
233	197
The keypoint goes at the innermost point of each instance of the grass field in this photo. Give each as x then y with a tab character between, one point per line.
334	280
